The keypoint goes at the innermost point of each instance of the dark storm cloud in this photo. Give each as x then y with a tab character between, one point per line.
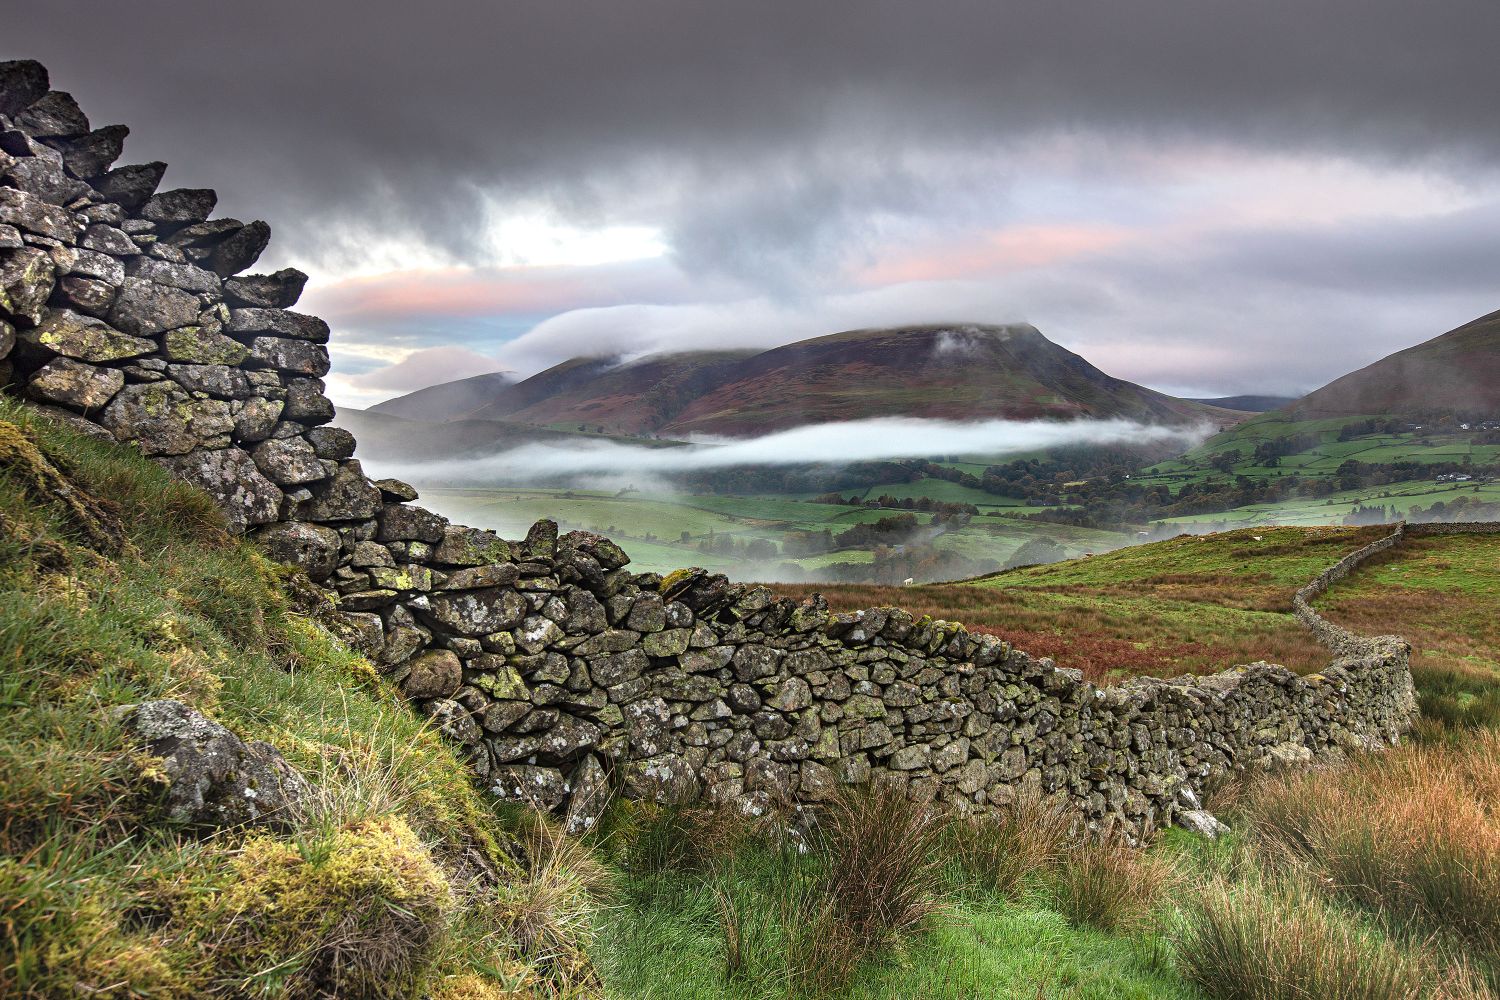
337	119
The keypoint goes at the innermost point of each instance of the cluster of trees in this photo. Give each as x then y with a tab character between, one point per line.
886	501
757	549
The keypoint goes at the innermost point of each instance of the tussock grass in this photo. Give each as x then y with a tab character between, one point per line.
1108	884
1413	834
1282	940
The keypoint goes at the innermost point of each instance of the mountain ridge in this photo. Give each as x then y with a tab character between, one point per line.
945	371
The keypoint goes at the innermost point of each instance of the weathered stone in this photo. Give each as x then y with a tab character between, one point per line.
462	546
256	420
92	154
75	385
542	787
107	239
229	476
7	339
26	277
793	695
198	346
144	308
671	642
184	276
396	491
213	778
266	291
130	186
288	462
348	496
305	402
540	543
54	115
332	443
648	614
163	420
215	380
90	264
23	82
589	796
406	576
277	323
239	249
312	548
44	179
89	296
296	356
477	612
435	674
399	521
86	338
494	575
180	206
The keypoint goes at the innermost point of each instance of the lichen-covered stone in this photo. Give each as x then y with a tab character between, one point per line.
75	385
229	476
163	420
288	462
86	338
26	278
434	674
214	779
144	308
312	548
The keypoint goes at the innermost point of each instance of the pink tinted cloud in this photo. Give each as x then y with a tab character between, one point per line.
428	366
471	292
1013	249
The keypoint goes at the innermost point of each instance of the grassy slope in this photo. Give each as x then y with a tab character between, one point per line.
98	896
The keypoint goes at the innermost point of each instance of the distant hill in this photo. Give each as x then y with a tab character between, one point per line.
957	372
386	438
448	400
1248	404
1458	371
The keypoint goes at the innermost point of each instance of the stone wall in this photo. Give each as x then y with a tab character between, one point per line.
562	674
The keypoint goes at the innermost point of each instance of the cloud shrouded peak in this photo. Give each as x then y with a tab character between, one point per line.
1093	167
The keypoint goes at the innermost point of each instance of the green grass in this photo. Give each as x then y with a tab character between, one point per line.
124	586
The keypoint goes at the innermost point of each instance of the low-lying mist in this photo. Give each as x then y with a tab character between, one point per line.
602	464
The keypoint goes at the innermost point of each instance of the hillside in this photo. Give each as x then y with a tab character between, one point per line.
448	400
950	372
1457	372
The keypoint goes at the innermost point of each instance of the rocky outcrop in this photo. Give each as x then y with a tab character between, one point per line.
210	777
560	673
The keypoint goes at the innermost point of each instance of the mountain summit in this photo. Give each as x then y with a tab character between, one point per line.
955	372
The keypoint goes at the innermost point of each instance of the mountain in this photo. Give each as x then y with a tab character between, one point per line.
448	400
941	371
1248	404
641	396
1458	371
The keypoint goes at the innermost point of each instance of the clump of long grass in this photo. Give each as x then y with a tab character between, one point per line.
1281	940
1413	834
881	864
1109	884
997	852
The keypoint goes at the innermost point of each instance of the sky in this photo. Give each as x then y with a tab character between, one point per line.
1206	197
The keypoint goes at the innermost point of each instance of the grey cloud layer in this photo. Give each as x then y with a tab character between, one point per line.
395	115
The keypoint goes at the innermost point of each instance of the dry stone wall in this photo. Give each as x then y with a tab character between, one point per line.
563	675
